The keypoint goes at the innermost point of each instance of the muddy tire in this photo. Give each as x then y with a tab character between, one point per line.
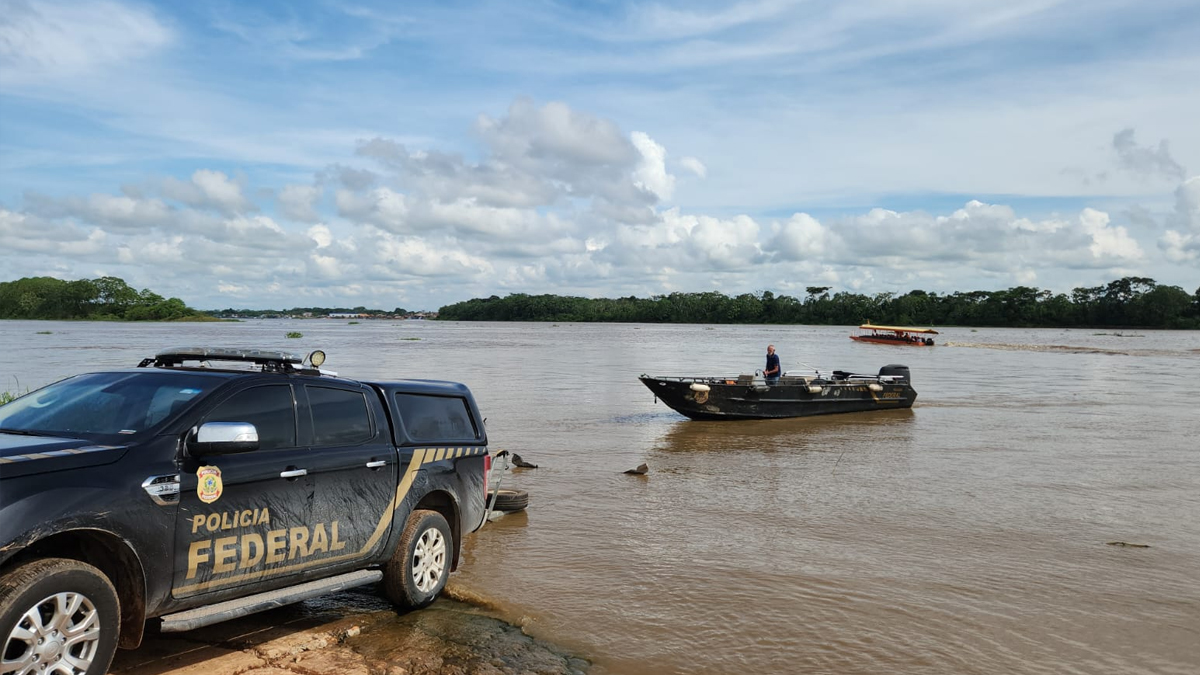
420	565
509	500
58	615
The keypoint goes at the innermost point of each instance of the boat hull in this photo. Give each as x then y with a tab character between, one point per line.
889	341
709	398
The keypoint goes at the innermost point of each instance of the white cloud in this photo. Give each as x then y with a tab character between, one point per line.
546	171
1145	161
396	256
447	177
321	235
1187	206
169	251
51	39
802	237
651	174
23	234
381	206
665	21
1180	248
1110	245
326	267
726	244
236	290
289	38
298	202
1182	245
554	135
123	212
93	245
687	241
114	213
694	165
468	217
209	190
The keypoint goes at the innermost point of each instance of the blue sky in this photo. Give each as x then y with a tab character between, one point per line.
384	154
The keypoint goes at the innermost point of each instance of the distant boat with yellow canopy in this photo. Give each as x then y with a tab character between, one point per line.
894	335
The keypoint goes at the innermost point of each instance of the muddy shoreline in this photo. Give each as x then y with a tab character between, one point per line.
353	633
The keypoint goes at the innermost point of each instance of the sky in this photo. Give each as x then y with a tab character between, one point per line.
380	154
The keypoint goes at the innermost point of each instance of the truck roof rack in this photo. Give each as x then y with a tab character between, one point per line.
270	360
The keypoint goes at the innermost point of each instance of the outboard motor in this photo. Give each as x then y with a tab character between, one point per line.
897	372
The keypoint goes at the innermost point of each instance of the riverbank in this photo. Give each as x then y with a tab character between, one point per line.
352	633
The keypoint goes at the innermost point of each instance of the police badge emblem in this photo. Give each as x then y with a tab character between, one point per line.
208	485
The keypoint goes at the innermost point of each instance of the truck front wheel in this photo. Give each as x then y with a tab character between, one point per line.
57	615
420	565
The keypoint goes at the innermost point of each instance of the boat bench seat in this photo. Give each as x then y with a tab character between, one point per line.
795	379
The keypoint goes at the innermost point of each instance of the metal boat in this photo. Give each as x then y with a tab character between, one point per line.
750	397
894	335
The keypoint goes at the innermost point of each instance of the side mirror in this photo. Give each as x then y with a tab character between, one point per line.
223	438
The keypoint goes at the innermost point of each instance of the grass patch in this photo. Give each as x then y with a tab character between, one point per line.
294	334
6	396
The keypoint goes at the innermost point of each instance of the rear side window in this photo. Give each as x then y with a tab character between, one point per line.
269	408
339	417
436	418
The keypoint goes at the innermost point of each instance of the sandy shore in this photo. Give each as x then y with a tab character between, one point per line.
352	633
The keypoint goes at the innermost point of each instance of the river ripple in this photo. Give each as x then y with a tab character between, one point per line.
967	535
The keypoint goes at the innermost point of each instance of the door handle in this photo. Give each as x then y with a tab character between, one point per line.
376	463
293	473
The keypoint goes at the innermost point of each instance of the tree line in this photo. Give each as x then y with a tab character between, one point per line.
1126	302
103	299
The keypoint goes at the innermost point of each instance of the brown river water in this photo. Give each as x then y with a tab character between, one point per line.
967	535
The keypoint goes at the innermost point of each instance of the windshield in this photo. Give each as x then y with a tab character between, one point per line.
103	404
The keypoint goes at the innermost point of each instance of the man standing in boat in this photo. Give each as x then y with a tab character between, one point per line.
772	372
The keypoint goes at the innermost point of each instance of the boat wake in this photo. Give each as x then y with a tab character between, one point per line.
1060	349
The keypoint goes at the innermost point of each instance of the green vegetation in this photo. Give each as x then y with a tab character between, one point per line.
294	334
103	299
352	323
1131	301
45	332
6	396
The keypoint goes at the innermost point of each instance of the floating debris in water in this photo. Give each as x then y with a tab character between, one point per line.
641	470
1125	543
520	463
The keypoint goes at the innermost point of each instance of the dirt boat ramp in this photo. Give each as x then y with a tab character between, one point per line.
352	633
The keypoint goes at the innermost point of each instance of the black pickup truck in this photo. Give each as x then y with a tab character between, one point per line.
206	484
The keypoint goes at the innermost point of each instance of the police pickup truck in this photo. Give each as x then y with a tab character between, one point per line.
206	484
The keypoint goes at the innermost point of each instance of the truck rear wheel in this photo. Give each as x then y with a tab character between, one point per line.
57	615
420	565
